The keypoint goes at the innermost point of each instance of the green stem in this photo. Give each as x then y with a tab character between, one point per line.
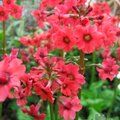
51	112
82	71
82	63
93	68
77	116
4	38
56	111
0	111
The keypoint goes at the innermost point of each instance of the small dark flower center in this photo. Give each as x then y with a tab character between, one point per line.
15	10
64	86
2	13
108	68
4	78
66	40
71	76
87	37
68	106
8	1
42	55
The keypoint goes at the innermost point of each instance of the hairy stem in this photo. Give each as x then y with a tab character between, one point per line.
82	71
82	63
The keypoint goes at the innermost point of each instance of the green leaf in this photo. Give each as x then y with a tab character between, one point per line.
22	116
48	113
94	115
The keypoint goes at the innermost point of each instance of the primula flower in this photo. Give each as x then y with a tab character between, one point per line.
10	74
3	13
34	112
26	40
69	88
109	31
68	107
41	54
109	69
8	3
71	72
16	11
39	17
44	92
21	93
31	41
50	3
89	39
24	56
21	96
100	8
106	53
64	39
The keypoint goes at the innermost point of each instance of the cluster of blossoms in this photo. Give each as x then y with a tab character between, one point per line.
10	8
52	76
109	68
74	24
70	24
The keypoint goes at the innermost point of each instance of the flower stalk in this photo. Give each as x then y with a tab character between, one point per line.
82	71
0	111
51	111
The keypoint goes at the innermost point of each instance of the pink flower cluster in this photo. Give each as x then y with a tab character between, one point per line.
74	24
10	8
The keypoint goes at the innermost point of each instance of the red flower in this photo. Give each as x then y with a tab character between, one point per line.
30	41
68	107
41	55
39	16
89	39
69	88
10	74
50	3
106	53
44	91
71	72
24	56
64	39
8	3
26	40
21	93
69	78
3	13
109	30
16	11
34	112
101	8
109	69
